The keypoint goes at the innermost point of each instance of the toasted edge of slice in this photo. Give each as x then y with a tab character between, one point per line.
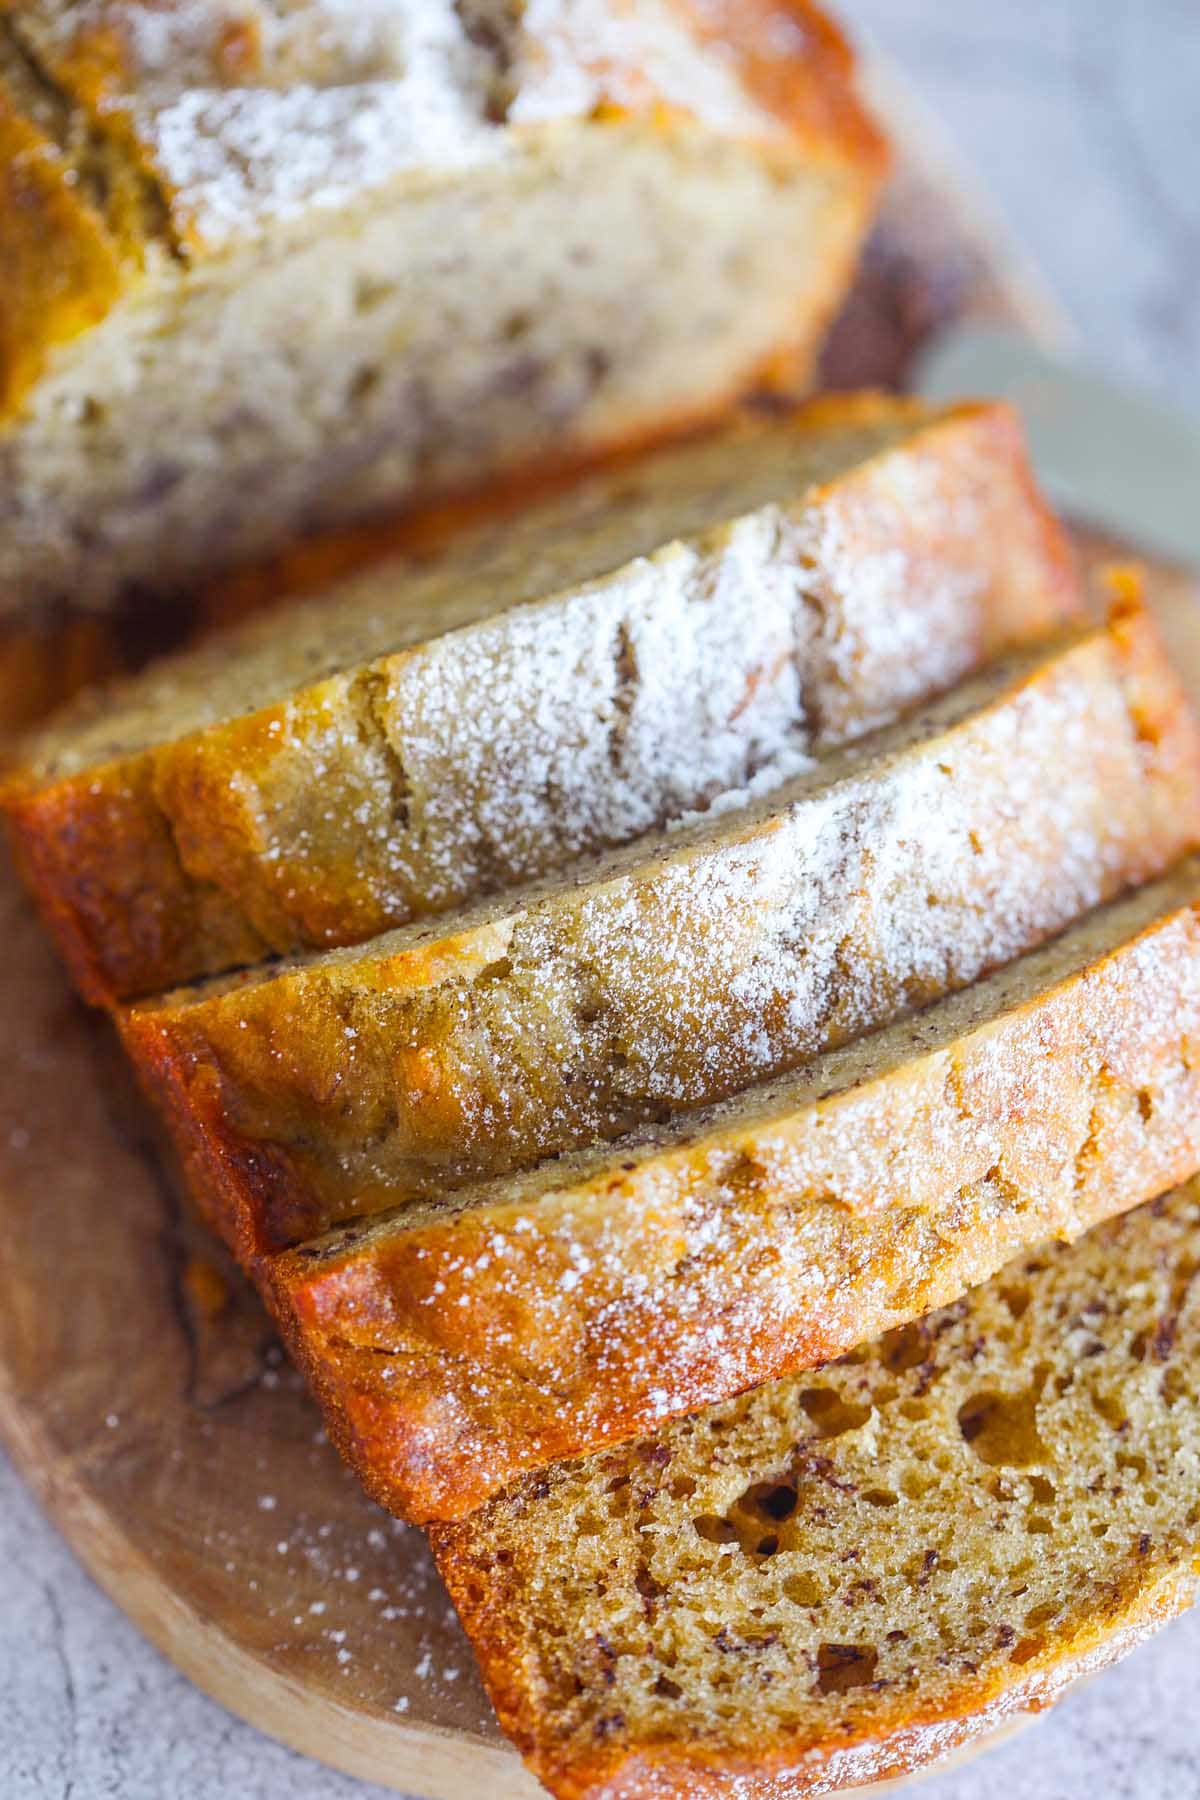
320	775
839	1578
455	1347
689	965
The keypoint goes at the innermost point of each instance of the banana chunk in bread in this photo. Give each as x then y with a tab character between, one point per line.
272	267
841	1576
605	661
456	1347
683	967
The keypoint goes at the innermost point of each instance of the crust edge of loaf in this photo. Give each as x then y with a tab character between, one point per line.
784	1769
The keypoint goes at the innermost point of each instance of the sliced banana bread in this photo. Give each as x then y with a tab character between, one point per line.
681	968
271	267
841	1576
455	1347
315	779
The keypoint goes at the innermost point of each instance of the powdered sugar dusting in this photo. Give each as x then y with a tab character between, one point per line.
690	965
236	161
713	1266
264	113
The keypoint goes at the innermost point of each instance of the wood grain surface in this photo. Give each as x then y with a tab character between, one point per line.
141	1390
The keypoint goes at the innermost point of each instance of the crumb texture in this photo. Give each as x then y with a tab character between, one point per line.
960	1510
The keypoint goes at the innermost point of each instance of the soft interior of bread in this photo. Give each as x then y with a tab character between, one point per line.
585	287
866	1059
950	1509
595	528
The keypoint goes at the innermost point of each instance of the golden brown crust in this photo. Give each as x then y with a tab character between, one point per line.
904	1738
63	268
665	1282
112	821
350	1084
79	837
796	61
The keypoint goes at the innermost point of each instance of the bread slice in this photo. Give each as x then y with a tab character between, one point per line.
777	587
842	1576
271	268
683	967
456	1346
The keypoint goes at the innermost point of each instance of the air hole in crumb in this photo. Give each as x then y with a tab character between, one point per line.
682	1488
1174	1387
880	1497
1025	1650
1002	1429
1016	1299
1110	1409
363	384
904	1348
370	293
832	1415
1145	1102
714	1530
667	1689
803	1590
771	1500
1043	1491
841	1667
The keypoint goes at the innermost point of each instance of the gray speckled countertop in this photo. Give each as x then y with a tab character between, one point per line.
1082	117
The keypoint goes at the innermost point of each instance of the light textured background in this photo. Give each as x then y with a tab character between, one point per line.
1082	117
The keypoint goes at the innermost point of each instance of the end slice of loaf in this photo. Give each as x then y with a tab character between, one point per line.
272	269
690	964
842	1576
544	685
456	1347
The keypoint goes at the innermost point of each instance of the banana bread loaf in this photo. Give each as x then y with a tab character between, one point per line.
315	779
268	267
842	1576
456	1347
681	968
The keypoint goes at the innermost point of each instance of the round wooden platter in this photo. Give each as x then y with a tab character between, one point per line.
145	1399
141	1390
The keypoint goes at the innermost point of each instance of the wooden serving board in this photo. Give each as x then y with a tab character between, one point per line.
141	1390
